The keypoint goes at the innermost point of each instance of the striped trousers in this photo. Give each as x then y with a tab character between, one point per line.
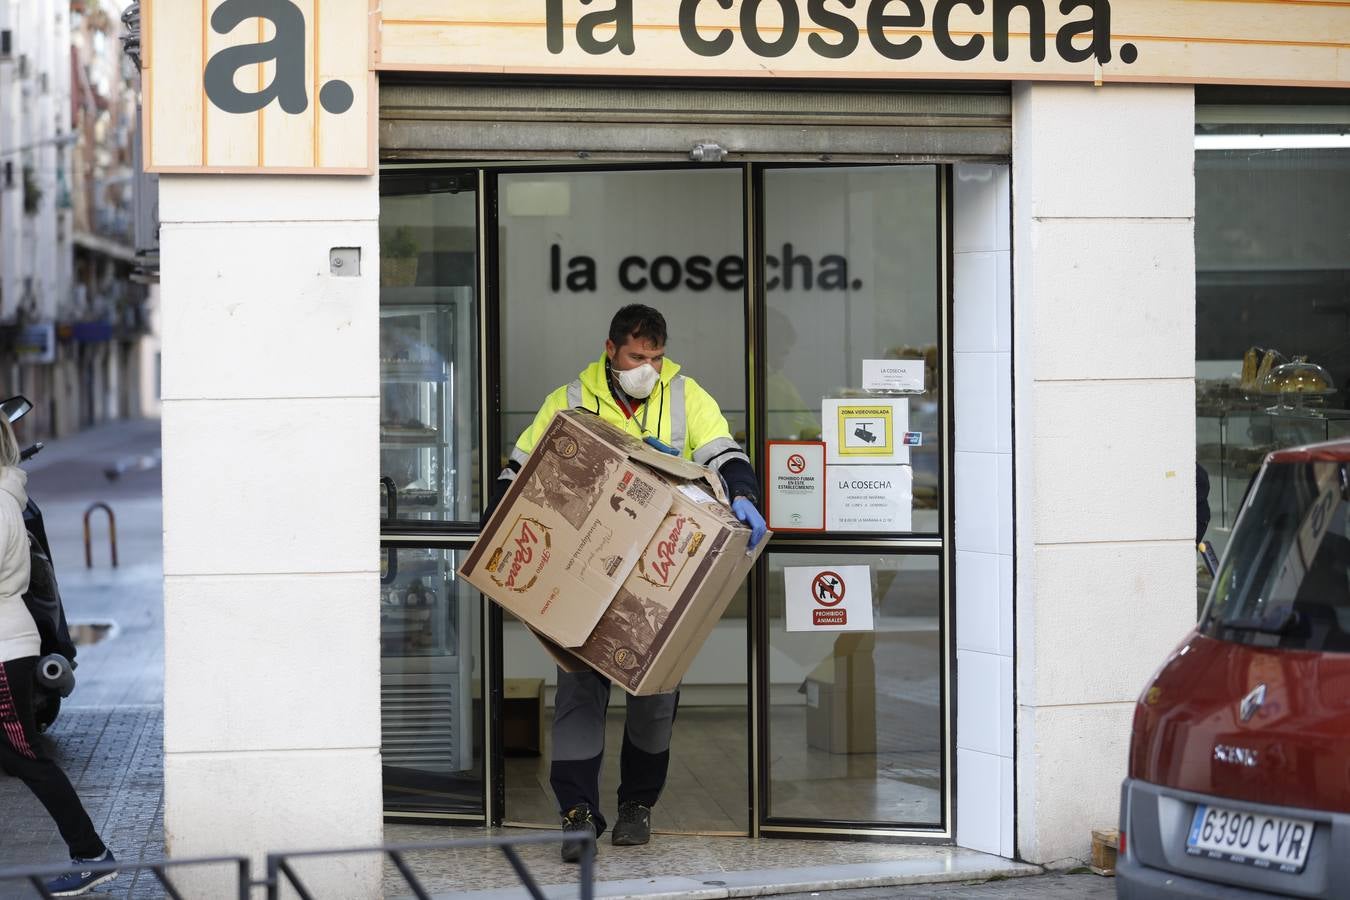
22	755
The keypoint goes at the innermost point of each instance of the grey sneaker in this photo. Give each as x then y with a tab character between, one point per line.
634	826
578	819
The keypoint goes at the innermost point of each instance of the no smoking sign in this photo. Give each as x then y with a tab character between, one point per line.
838	598
796	486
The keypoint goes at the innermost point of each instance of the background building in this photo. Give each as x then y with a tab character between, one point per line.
72	321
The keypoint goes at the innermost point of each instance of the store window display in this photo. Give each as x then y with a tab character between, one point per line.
1272	284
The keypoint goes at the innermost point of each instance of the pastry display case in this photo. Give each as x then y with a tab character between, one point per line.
428	617
1236	428
1277	404
428	620
427	474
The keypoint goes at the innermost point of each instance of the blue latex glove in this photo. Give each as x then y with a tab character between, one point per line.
746	512
660	445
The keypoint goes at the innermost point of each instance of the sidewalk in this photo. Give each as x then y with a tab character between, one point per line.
691	866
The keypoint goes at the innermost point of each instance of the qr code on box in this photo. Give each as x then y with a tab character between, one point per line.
640	492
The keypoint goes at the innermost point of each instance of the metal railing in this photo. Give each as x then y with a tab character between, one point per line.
279	864
281	870
39	876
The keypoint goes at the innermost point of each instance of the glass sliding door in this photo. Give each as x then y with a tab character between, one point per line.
573	246
852	275
817	292
855	718
431	630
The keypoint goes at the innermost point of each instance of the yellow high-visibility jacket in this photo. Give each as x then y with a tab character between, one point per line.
679	413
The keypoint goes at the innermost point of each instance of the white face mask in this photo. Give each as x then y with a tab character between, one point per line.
639	382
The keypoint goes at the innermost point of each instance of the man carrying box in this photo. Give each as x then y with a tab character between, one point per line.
635	388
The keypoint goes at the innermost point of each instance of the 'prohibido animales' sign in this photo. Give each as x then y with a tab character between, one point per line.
829	598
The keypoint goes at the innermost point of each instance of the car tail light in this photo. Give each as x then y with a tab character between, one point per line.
1120	850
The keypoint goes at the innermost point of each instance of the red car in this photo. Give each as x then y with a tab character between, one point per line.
1239	778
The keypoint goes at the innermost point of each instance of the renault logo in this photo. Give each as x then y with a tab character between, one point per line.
1252	702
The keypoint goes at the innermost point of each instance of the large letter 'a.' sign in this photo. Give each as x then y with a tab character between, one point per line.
286	50
258	86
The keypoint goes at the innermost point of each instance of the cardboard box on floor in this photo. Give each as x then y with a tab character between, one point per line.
841	697
617	556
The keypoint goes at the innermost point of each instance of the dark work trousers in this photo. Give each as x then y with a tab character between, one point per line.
579	743
22	756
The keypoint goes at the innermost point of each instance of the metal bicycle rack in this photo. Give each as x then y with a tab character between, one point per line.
281	871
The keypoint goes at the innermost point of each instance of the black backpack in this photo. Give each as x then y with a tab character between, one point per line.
43	599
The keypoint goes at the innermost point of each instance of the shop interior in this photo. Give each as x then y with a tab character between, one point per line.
1272	285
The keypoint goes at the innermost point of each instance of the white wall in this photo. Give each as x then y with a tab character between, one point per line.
1104	367
271	537
608	217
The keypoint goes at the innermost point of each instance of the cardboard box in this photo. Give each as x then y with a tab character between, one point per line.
619	557
841	698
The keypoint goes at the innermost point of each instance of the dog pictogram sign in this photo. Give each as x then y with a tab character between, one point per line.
837	598
828	589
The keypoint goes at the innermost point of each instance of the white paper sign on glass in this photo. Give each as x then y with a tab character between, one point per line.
870	498
865	431
796	494
903	376
828	598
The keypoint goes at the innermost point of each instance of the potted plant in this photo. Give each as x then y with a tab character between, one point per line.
398	258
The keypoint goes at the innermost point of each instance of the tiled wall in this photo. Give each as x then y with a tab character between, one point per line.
982	370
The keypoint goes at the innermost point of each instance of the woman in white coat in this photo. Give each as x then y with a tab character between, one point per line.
21	753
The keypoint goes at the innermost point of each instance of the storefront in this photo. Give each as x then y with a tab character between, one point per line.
950	233
849	266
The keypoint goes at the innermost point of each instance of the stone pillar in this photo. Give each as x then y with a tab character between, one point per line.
1104	396
271	523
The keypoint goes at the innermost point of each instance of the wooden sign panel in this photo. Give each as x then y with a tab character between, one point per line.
258	86
288	86
1270	42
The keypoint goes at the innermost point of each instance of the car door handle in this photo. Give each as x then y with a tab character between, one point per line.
391	491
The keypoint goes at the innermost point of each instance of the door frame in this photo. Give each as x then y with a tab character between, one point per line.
492	442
